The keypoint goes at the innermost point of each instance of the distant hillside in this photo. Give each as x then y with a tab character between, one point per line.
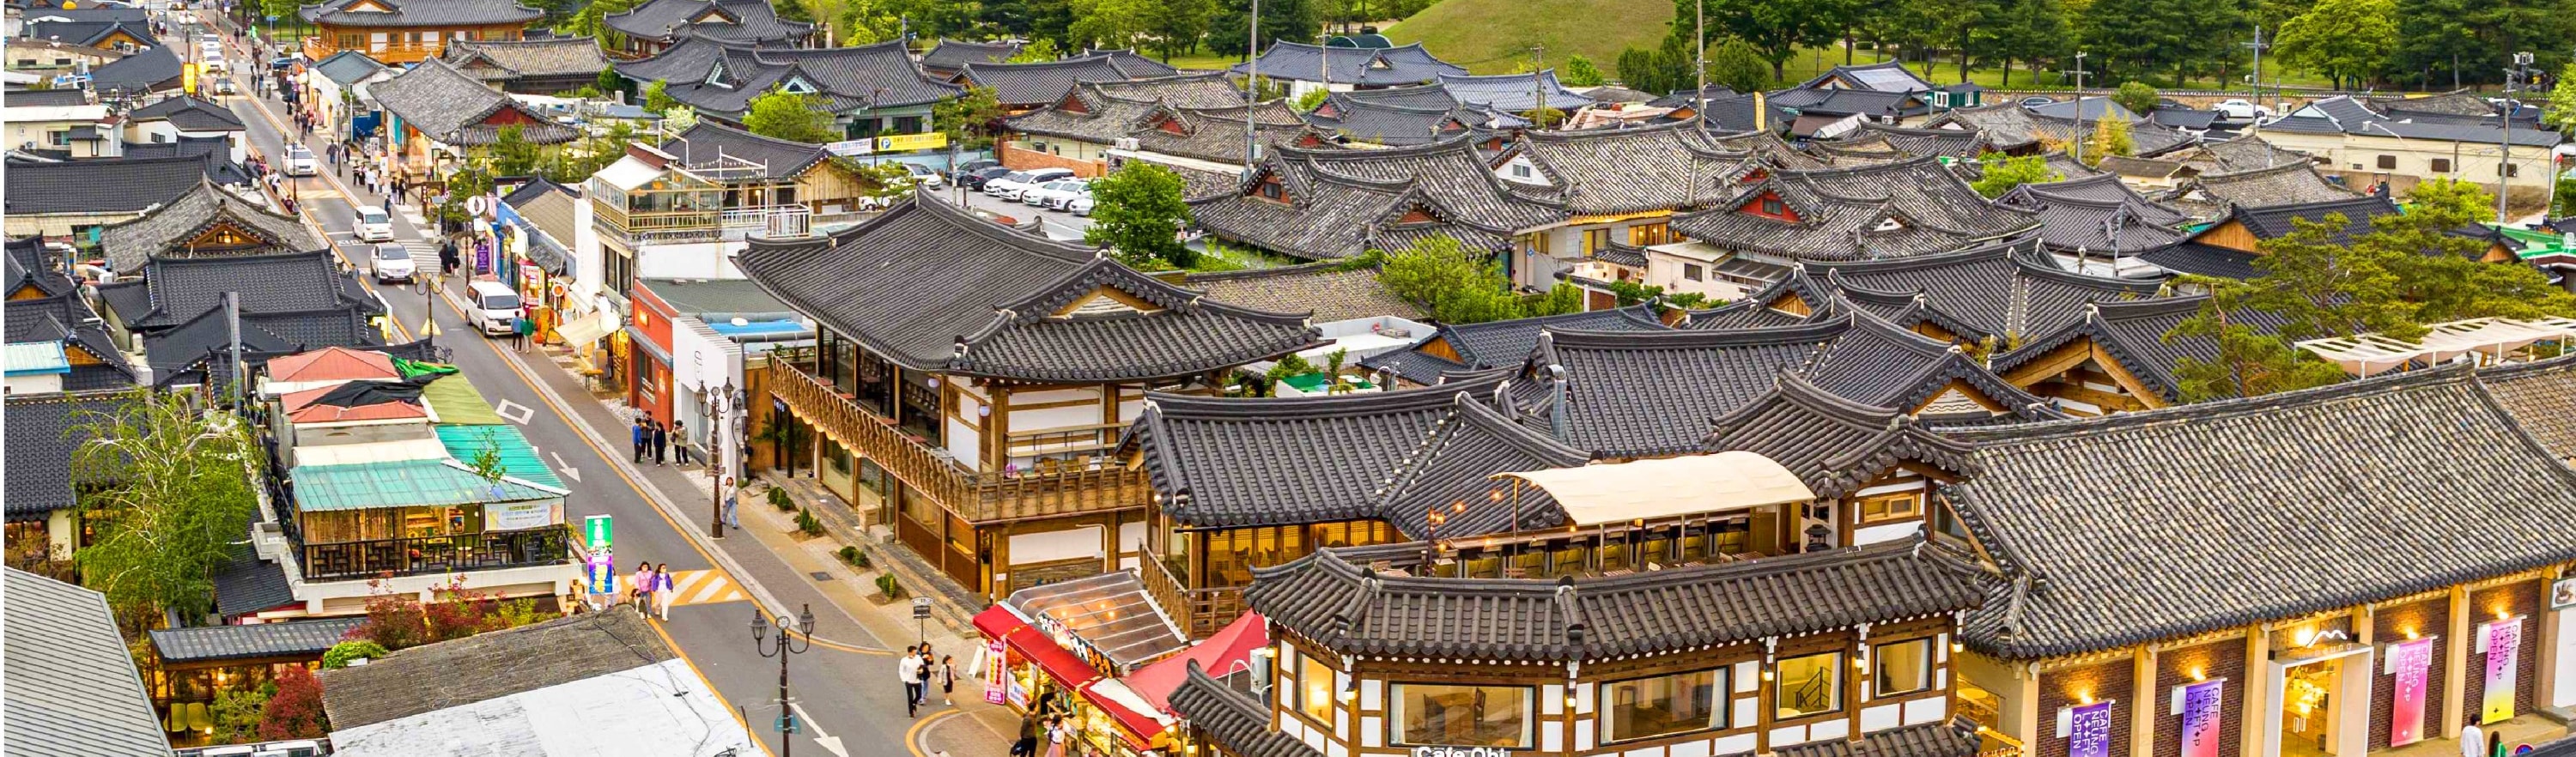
1494	36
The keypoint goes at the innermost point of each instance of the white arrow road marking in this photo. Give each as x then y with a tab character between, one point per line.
828	742
517	413
568	471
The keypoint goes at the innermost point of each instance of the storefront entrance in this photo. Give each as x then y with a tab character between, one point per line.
2320	700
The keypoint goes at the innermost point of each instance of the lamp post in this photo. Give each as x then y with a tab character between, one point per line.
719	402
785	646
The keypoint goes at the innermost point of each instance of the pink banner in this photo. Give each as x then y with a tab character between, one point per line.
997	671
2410	661
2200	718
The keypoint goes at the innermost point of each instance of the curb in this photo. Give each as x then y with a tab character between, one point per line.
916	576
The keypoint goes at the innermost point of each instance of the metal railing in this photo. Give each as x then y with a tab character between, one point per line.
976	496
1199	612
383	558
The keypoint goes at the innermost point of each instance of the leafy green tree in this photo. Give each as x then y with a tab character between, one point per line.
866	22
2110	137
590	21
339	655
169	486
2003	173
2344	39
1138	215
1629	292
1579	71
657	97
2136	96
2320	288
1735	64
1298	20
237	713
1111	23
1314	98
2443	204
1456	285
2562	100
608	82
1174	27
1038	51
1559	300
2249	363
513	155
780	114
2029	31
969	118
1773	27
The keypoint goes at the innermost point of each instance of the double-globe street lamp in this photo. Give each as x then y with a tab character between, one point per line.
785	646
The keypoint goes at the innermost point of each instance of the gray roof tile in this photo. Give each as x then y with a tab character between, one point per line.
452	107
188	113
558	56
1893	210
1833	444
1513	92
1342	202
43	431
490	665
234	642
746	21
72	687
1670	166
2133	333
421	13
1336	292
950	55
1500	344
166	231
106	185
1375	67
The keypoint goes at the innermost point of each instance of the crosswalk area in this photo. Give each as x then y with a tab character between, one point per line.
704	587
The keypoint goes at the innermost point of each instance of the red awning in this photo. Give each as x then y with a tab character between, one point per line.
1065	667
1121	702
998	621
1228	650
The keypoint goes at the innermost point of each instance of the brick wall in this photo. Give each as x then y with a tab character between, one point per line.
2389	625
1018	159
2218	659
2518	598
2111	679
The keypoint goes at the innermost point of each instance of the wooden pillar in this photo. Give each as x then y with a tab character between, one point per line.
2549	629
2029	706
997	426
2255	720
2455	672
2150	705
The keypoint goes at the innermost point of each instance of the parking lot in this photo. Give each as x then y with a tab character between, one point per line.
1057	223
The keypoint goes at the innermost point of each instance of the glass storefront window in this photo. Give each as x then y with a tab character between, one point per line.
1810	685
1315	689
1904	667
1447	715
1664	705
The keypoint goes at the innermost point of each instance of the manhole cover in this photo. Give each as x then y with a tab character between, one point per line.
820	576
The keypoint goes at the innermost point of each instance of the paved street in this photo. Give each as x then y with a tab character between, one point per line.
844	686
1059	223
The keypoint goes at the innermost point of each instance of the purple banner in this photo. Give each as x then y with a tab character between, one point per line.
2088	730
2200	708
2411	662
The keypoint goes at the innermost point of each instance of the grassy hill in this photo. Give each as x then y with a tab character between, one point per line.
1494	36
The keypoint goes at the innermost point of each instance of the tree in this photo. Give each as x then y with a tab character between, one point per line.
2321	288
1314	98
1579	71
1456	285
1138	215
1037	51
591	21
2002	174
1559	300
657	97
168	486
1735	64
2248	363
1175	26
2029	31
238	712
2343	39
1280	19
513	155
608	82
2443	204
2136	96
339	655
1111	23
968	118
295	711
867	22
781	114
2562	100
1773	27
2111	137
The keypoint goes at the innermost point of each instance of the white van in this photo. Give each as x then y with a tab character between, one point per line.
492	307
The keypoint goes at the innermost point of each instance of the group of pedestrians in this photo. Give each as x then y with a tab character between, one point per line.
919	673
1045	723
653	440
652	590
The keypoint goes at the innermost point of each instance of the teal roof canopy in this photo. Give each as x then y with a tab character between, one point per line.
406	483
518	459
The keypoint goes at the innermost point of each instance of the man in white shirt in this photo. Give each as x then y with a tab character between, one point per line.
909	668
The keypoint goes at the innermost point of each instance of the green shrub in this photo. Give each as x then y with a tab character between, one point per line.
341	653
778	499
806	522
887	584
851	554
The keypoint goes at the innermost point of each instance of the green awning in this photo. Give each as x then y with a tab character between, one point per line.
406	483
517	458
456	402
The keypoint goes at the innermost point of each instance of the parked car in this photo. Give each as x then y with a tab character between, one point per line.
1043	195
2240	110
374	225
976	179
224	86
923	175
1064	200
496	308
1081	205
300	161
960	172
1009	187
391	261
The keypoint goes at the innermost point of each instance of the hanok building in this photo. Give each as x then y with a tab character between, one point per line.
407	31
870	89
45	431
72	685
982	375
2290	183
2228	246
181	119
201	223
2007	127
1994	297
533	66
946	59
1871	143
55	339
1893	210
1515	93
1402	116
2116	356
436	112
1342	69
139	76
1022	86
175	315
2109	631
2100	226
1081	130
125	34
1620	187
1457	348
2361	145
655	26
1321	204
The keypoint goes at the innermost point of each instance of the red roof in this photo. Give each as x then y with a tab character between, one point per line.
332	364
1224	652
300	408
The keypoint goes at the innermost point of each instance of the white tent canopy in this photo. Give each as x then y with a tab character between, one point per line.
1667	487
2494	339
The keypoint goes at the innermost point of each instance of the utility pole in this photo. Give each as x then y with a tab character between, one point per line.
1538	90
232	335
2079	72
717	463
1251	88
1699	66
2258	47
2504	144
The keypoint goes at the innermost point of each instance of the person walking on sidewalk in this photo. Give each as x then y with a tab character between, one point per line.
640	440
1055	736
520	327
661	442
642	591
1027	744
680	442
908	669
948	680
729	494
663	589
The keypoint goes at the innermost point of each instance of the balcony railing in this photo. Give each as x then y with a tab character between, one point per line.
976	496
384	558
1199	612
684	226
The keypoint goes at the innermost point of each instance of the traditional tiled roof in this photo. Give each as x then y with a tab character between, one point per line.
1894	210
2101	562
2288	184
1834	445
778	158
1956	737
89	33
1133	62
1497	344
490	665
348	67
951	55
1233	719
558	56
342	13
1997	290
1412	117
2007	126
1618	395
147	70
169	230
103	186
1513	92
2274	221
723	77
72	687
1353	610
246	584
1216	134
43	432
1374	67
2075	215
176	290
1105	111
29	264
452	107
44	98
1335	291
1879	363
188	113
2133	333
1851	102
2244	152
2541	395
1030	84
1770	146
237	642
1431	95
197	350
67	319
1913	143
935	289
1613	171
1391	456
1890	76
1342	202
746	21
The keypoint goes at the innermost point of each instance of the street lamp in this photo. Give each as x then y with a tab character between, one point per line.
785	646
719	402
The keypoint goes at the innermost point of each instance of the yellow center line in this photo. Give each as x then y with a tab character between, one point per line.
283	139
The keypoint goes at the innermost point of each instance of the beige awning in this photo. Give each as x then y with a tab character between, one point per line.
1668	487
581	333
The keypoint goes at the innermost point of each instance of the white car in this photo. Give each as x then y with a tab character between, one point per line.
300	161
1064	200
2240	110
1081	205
390	261
374	225
923	175
495	308
1009	187
1046	195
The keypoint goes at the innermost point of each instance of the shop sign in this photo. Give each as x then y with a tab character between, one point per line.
2411	662
2562	595
1461	751
603	572
2501	641
514	516
997	671
2087	729
594	530
2198	703
910	142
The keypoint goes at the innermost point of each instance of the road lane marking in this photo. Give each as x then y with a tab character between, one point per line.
517	413
704	587
711	687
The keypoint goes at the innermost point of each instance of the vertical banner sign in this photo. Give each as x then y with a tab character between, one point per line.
2504	649
997	670
2088	732
603	573
2410	662
2200	706
595	529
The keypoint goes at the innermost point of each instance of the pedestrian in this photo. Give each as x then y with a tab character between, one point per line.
663	590
520	327
1027	744
908	669
389	206
642	591
680	442
730	492
661	442
642	437
1056	732
948	680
